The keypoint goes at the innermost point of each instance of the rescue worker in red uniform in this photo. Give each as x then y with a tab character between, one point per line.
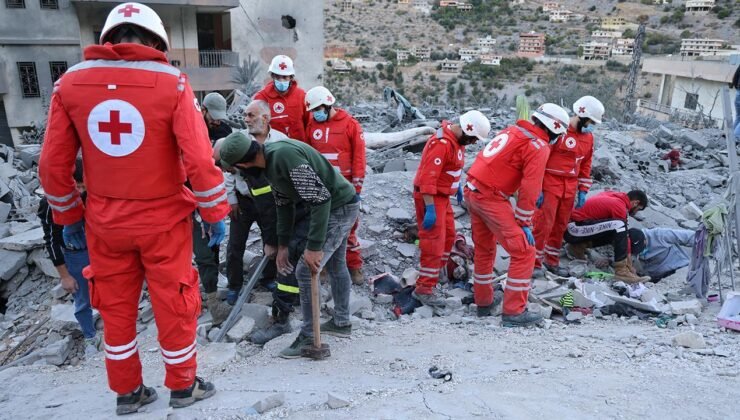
513	162
142	135
437	178
286	99
335	134
567	180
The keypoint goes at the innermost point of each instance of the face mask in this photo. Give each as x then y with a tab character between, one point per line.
466	140
588	129
253	172
552	136
282	86
320	115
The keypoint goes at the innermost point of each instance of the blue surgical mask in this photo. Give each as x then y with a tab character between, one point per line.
281	85
644	252
320	115
588	129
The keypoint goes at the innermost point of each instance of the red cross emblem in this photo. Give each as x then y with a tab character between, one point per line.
329	98
581	110
115	127
556	124
129	10
469	127
283	66
496	145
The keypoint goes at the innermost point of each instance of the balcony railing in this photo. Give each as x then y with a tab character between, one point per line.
218	58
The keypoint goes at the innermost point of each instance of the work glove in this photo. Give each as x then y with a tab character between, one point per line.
74	235
459	195
430	217
540	200
216	231
358	196
528	232
581	199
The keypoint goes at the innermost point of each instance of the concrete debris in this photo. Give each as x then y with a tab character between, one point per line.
424	312
689	339
407	250
692	306
409	277
259	313
146	313
25	241
4	210
57	292
10	263
241	329
39	258
57	353
691	211
268	403
335	400
398	215
694	139
216	354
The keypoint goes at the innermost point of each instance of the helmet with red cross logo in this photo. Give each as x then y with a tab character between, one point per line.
136	14
553	116
282	65
319	96
475	124
589	107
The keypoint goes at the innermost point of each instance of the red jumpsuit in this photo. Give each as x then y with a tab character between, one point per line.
568	171
141	133
438	175
341	142
513	161
288	110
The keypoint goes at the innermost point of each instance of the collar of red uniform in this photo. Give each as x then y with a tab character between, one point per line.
128	52
529	126
447	133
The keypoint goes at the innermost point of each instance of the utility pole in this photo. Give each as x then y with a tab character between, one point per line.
629	100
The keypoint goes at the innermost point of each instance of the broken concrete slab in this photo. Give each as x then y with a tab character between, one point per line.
216	354
694	138
25	241
335	400
4	211
395	165
691	211
241	329
57	353
10	263
424	312
689	339
39	259
146	313
57	292
409	276
63	317
398	215
268	403
259	313
359	303
692	306
407	250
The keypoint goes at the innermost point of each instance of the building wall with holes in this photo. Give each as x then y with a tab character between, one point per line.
708	99
258	30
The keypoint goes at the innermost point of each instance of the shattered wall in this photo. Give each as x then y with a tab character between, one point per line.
265	28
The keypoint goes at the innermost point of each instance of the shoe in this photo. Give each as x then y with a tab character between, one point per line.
498	297
131	402
199	390
577	251
524	319
356	275
218	309
294	350
623	272
433	299
557	270
92	345
538	273
273	331
330	328
232	296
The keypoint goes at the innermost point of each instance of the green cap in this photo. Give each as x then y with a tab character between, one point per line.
234	147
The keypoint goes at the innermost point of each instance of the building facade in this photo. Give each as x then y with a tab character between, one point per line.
468	54
490	59
596	50
531	44
624	46
696	47
699	5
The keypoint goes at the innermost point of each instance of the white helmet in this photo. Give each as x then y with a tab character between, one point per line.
135	14
319	96
282	65
553	116
589	107
475	124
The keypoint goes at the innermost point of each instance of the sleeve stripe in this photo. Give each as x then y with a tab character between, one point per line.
64	208
524	212
61	199
208	193
212	203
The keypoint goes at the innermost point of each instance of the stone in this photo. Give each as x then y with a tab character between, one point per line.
10	263
4	211
692	306
248	258
694	138
409	276
689	339
407	250
460	293
146	313
57	292
63	317
395	165
368	248
377	228
367	314
411	165
259	313
25	241
424	312
714	181
268	403
213	333
691	319
383	299
691	211
665	132
215	354
398	215
4	230
39	259
574	316
359	303
335	400
241	329
57	353
453	302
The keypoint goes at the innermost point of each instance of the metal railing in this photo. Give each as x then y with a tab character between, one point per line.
218	58
693	119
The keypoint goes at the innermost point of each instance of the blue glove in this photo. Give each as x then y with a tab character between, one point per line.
217	232
459	195
581	199
540	200
359	198
528	232
74	235
430	217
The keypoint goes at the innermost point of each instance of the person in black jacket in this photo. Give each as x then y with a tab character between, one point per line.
69	263
736	85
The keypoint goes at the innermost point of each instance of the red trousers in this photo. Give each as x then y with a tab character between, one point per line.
119	263
436	243
354	256
492	220
551	220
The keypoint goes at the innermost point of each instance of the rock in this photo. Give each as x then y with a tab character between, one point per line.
398	215
714	181
241	329
25	241
4	211
368	248
598	314
691	319
57	353
213	333
146	313
57	292
691	211
63	317
259	313
575	353
268	403
409	276
665	133
424	312
689	339
10	263
684	307
694	138
383	299
407	250
395	165
4	230
39	259
359	303
215	354
460	293
411	165
574	316
453	302
335	401
367	314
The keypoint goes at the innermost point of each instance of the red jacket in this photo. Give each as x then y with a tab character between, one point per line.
514	161
288	110
570	157
441	163
604	206
341	142
141	133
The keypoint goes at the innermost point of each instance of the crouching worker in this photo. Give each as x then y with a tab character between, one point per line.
298	173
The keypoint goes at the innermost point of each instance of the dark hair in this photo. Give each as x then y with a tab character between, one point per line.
251	153
637	241
639	196
77	175
148	38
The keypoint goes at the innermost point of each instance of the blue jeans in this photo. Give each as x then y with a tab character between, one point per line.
76	261
737	114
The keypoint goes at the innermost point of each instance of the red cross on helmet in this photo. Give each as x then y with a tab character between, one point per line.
282	65
319	96
137	14
589	107
554	117
475	124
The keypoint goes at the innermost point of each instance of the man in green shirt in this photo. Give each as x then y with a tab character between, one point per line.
298	173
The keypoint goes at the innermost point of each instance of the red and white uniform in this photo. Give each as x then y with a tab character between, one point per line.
514	161
568	171
340	140
438	175
142	135
287	110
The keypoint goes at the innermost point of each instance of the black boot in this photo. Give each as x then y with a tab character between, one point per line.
131	402
199	390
